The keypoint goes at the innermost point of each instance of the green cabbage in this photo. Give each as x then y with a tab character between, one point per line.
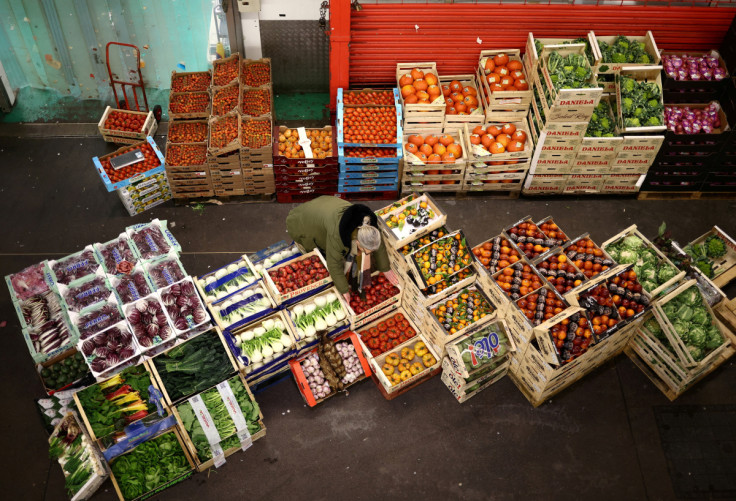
649	285
682	329
670	309
649	257
648	273
691	296
633	242
614	252
628	256
653	326
713	339
715	246
696	353
697	336
666	273
700	316
684	312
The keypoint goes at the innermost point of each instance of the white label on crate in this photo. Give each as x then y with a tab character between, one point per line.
439	100
305	143
226	393
413	159
208	426
480	151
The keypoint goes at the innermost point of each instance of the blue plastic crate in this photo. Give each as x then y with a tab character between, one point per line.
341	134
344	188
369	167
341	93
110	186
343	160
378	174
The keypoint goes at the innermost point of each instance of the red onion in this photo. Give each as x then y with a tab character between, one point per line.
693	68
687	120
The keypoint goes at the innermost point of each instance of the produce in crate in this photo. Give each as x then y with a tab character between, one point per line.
76	455
115	252
425	240
641	103
355	152
87	293
442	258
480	358
459	99
687	120
225	72
113	404
132	287
29	282
418	87
496	254
149	323
221	418
587	257
153	463
125	121
603	313
256	133
588	52
225	99
569	72
540	306
109	348
316	379
374	97
98	319
350	360
186	154
601	124
76	266
187	132
704	254
561	273
572	337
150	241
64	372
438	287
408	362
298	274
318	315
224	131
38	310
183	306
256	102
165	271
504	74
416	216
321	143
530	240
518	279
50	336
462	310
553	232
193	366
227	280
431	149
693	323
265	343
397	204
54	407
242	305
277	257
693	68
379	291
651	270
189	102
624	50
370	125
256	74
191	83
627	294
387	334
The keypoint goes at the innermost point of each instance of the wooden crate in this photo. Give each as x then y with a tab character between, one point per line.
476	153
174	99
455	122
180	79
218	63
724	267
234	144
267	89
412	163
413	266
421	117
124	137
600	67
639	73
173	124
219	92
394	238
360	319
383	381
486	347
532	56
249	62
281	298
508	106
640	147
463	390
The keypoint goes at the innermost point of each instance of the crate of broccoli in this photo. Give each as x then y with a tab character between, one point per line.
714	254
613	53
639	99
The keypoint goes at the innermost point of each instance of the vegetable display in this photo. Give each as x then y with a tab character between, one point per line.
64	372
320	139
379	291
225	99
193	366
264	343
704	254
497	139
572	337
29	282
109	348
73	267
150	465
221	418
191	82
187	132
225	72
165	271
459	99
227	280
298	274
54	407
186	154
374	97
529	238
316	379
190	102
38	310
693	323
183	305
408	362
322	313
86	294
462	310
255	133
115	252
641	103
540	306
75	454
132	287
431	149
693	68
150	161
650	269
569	72
496	254
356	152
255	74
125	121
623	50
588	257
242	305
601	123
518	280
387	334
256	102
561	273
223	131
98	319
149	323
687	120
442	258
115	403
276	257
150	241
50	336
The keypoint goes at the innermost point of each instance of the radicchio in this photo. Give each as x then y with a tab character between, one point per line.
79	297
148	320
150	241
132	287
165	272
115	252
41	308
73	267
29	282
107	349
50	336
183	305
98	320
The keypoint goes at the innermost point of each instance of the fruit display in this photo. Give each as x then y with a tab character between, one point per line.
255	134
187	132
150	161
553	232
183	306
255	74
189	102
387	334
561	273
627	294
438	287
541	305
85	292
418	87
529	239
652	270
414	217
432	149
572	337
298	274
442	258
225	71
191	82
379	291
224	131
504	74
460	99
425	240
496	139
411	360
148	320
588	257
379	97
256	102
64	372
74	266
321	140
375	125
461	310
603	314
109	348
225	99
496	254
357	152
518	279
125	121
186	154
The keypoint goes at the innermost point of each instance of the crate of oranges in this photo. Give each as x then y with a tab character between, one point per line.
462	313
441	259
462	103
506	92
289	151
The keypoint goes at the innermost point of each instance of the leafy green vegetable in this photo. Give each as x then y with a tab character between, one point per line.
651	270
623	50
714	338
641	103
570	72
682	328
653	326
697	336
696	352
601	124
700	316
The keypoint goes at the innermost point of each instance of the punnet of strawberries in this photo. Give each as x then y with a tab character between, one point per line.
294	276
124	121
380	290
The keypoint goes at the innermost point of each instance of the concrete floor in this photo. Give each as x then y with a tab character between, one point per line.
596	440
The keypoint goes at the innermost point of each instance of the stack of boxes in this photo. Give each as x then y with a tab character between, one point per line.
256	107
367	167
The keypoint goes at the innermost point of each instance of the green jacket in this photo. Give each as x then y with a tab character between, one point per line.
317	224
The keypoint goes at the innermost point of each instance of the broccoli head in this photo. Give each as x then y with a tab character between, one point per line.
618	57
605	123
633	122
643	59
653	122
581	73
627	105
715	246
628	85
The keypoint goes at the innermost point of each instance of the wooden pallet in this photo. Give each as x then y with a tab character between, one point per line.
221	200
464	195
686	195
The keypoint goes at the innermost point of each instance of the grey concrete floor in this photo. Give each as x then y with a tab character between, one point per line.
596	440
